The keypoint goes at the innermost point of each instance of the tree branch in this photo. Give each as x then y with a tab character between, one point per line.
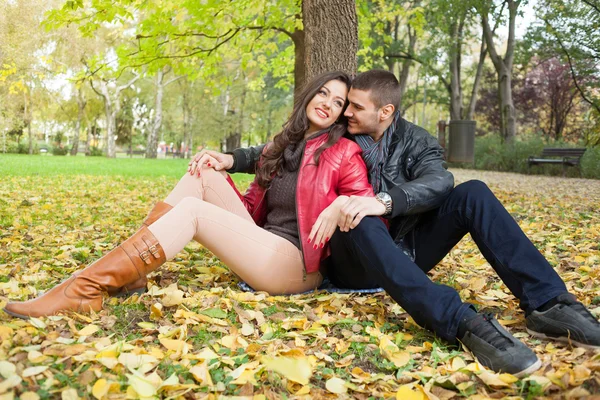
573	74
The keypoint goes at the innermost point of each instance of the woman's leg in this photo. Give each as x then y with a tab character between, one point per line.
262	259
211	186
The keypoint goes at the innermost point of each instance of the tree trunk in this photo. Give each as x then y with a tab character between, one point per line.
27	117
186	120
456	95
507	108
406	64
477	81
233	141
81	107
331	36
299	70
152	143
503	66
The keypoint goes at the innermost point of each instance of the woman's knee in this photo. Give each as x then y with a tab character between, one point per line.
192	205
209	176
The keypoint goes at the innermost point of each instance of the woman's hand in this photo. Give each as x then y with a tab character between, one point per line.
210	159
356	208
327	223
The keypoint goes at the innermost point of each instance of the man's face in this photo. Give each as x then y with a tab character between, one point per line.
362	114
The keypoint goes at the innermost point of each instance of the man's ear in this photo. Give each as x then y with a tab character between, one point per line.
387	112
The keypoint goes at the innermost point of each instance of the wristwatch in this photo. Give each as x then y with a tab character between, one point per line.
385	199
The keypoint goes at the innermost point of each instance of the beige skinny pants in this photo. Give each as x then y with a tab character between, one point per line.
207	209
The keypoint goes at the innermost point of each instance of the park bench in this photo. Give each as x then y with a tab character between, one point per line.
567	157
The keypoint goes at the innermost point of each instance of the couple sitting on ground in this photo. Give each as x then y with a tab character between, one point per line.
374	208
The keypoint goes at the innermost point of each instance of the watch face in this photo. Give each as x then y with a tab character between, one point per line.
384	196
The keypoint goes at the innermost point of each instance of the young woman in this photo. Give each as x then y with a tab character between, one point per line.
274	237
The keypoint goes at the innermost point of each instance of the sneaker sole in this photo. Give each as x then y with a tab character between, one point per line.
562	339
529	370
521	374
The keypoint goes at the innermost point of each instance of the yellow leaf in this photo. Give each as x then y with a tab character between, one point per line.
29	396
33	371
7	369
295	369
100	388
146	325
390	351
508	378
173	298
88	330
69	394
143	386
38	323
491	379
141	362
336	385
36	357
247	329
9	383
303	390
201	374
457	363
156	311
172	344
407	392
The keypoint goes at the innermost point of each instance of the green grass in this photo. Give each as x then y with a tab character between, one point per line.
51	166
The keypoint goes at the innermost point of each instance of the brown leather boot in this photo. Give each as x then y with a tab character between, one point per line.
82	292
140	285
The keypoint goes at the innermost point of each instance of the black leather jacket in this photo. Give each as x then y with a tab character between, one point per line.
414	174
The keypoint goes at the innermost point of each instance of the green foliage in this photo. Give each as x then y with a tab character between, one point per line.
60	150
95	152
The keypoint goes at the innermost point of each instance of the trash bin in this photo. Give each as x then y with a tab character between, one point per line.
462	141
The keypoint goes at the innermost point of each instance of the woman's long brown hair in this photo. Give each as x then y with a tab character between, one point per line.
296	126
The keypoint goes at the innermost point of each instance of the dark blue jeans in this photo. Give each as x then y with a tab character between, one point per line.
367	257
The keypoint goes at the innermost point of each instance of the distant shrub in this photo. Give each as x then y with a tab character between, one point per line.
95	152
21	148
60	151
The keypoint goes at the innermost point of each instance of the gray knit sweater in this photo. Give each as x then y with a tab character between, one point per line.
281	196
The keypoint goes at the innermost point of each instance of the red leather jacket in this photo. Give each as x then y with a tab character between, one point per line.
341	171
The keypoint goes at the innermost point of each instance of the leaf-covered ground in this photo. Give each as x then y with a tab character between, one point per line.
196	335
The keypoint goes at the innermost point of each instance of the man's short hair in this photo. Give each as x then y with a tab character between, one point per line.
383	85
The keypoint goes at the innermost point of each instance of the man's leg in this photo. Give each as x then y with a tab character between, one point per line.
472	208
367	255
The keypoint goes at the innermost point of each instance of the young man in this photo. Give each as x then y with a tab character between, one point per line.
427	216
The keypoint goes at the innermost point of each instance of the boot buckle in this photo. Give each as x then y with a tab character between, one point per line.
154	250
144	255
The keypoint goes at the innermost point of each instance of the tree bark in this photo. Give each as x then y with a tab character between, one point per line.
477	81
187	126
299	55
456	95
81	107
406	65
27	117
503	66
152	143
112	106
331	36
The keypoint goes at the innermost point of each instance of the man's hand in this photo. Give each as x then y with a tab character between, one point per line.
356	208
326	224
210	158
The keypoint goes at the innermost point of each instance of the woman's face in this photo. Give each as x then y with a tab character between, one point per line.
327	105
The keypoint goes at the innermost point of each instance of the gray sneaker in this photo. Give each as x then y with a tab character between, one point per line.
496	348
568	321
